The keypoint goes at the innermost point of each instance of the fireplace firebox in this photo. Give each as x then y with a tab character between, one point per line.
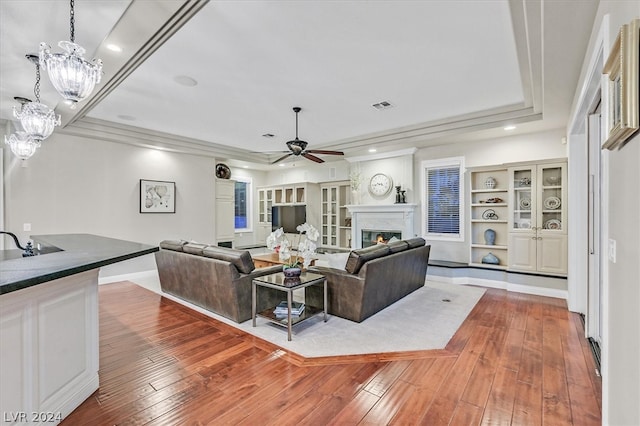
372	237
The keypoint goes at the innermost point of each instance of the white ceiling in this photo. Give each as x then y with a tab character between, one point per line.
453	67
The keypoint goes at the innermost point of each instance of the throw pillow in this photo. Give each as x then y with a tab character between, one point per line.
337	260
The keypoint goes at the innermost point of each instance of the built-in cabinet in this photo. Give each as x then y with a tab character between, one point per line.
334	217
489	217
519	217
538	218
225	210
305	193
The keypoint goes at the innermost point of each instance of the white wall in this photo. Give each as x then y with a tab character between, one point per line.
621	335
509	149
78	185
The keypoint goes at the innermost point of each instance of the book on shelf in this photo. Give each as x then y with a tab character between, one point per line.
282	309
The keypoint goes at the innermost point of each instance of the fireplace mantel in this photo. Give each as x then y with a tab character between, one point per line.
381	216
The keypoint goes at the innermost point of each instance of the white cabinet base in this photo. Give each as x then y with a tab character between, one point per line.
48	349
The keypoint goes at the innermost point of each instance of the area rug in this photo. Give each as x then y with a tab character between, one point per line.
425	319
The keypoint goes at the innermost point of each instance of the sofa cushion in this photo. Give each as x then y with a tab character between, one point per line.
398	246
240	259
337	260
359	257
416	242
175	245
194	248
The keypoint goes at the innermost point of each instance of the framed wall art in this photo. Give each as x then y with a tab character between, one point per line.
622	69
157	196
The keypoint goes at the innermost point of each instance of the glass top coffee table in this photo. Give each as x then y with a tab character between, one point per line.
288	285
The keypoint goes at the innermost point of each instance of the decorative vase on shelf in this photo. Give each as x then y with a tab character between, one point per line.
491	259
291	272
490	182
490	237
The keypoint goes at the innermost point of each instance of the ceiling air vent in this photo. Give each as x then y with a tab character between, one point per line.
268	135
382	105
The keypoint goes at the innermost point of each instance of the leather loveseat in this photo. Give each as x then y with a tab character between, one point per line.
374	278
215	278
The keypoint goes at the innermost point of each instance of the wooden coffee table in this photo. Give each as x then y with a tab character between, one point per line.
271	259
288	285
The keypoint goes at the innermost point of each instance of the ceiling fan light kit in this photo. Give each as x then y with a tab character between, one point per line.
299	147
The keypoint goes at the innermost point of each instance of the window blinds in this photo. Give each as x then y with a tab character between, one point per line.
443	199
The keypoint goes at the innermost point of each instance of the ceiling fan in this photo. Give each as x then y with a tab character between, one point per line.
298	147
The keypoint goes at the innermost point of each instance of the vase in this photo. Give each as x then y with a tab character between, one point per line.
490	237
491	259
355	196
291	272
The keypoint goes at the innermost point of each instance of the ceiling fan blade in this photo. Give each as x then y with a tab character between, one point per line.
320	151
282	158
312	157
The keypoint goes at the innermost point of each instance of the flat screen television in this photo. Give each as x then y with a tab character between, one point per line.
288	217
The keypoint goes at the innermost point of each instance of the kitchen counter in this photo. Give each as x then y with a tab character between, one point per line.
77	253
49	345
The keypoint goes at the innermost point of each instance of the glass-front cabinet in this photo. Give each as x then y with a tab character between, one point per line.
335	218
537	218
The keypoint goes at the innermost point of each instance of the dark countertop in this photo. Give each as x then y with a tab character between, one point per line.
79	253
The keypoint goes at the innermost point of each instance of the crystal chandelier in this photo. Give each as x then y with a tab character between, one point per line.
73	76
38	120
22	144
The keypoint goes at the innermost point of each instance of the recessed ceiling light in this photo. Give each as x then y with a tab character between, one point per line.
268	135
372	150
114	47
281	165
382	105
126	117
507	128
185	80
245	167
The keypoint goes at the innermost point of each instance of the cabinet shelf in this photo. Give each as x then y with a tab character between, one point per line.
488	221
486	190
488	246
489	205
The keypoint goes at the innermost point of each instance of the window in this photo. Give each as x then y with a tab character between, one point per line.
243	204
442	215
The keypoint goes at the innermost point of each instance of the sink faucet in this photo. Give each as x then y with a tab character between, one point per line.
27	251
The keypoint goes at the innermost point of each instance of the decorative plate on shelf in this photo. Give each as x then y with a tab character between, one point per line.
551	203
489	214
525	203
524	224
552	224
525	181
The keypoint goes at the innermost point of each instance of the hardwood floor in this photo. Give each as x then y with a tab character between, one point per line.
517	359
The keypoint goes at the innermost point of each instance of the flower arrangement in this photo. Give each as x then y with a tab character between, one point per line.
278	241
355	179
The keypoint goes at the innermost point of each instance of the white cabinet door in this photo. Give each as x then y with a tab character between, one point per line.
522	251
552	253
225	220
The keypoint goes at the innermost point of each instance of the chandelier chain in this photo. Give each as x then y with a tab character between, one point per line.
72	23
36	88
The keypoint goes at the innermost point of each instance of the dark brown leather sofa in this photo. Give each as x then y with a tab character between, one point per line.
375	277
215	278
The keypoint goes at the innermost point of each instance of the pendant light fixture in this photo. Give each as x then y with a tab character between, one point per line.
22	145
73	76
37	119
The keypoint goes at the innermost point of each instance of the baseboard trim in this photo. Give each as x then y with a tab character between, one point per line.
503	285
128	277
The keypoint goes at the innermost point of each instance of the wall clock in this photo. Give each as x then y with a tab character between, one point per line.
380	185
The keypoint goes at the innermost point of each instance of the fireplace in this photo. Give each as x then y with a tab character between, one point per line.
381	218
372	237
